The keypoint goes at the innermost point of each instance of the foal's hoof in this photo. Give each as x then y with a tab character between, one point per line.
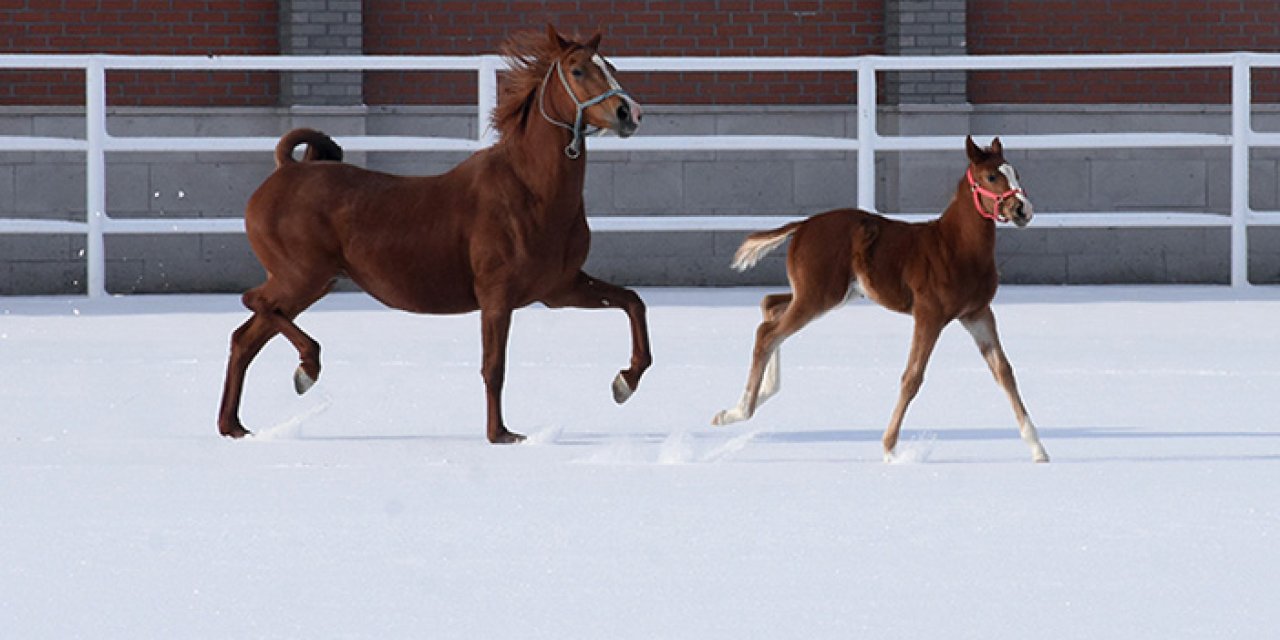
621	390
302	382
724	417
506	437
1040	455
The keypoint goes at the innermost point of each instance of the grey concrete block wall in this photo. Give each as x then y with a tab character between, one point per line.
51	186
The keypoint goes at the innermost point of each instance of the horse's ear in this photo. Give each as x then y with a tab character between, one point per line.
996	147
555	38
594	43
976	154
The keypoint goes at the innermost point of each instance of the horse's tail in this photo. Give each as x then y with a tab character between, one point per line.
760	243
319	147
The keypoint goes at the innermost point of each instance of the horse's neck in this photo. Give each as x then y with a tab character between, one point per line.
965	228
537	155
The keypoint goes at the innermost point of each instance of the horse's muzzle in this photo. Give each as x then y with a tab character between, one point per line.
627	117
1021	213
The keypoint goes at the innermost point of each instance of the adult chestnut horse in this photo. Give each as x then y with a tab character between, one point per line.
937	271
504	229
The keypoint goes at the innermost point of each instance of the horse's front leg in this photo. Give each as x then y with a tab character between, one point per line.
587	292
495	327
982	326
928	326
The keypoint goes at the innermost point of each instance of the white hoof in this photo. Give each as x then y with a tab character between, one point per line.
621	390
728	416
1038	454
302	382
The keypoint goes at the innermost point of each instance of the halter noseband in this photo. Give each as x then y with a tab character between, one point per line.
979	191
574	150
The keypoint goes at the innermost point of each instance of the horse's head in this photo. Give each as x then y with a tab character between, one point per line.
590	91
996	192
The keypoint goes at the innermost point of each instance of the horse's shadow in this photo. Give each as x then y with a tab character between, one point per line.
834	436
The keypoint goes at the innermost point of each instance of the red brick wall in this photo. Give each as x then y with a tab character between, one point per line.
154	27
1128	26
634	28
642	27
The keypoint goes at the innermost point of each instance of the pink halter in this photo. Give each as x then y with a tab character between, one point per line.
979	191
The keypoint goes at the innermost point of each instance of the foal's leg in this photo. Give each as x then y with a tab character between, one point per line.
982	326
495	327
925	336
587	292
772	307
769	337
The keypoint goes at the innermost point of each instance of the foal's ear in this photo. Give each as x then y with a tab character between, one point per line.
594	43
555	39
976	154
996	147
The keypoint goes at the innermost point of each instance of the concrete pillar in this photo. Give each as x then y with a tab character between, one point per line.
925	28
321	27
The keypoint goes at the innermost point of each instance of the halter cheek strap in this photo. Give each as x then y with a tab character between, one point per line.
574	150
999	198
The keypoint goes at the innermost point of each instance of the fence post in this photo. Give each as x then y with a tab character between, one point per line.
866	110
1241	127
95	109
486	99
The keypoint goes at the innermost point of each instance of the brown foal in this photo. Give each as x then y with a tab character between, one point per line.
937	271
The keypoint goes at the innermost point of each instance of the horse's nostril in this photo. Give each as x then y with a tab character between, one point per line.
624	113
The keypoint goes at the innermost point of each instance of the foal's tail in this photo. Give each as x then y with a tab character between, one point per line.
760	243
319	147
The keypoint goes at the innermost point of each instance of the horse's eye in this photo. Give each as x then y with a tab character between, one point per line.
991	177
577	73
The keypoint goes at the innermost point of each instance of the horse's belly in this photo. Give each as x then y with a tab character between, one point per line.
419	290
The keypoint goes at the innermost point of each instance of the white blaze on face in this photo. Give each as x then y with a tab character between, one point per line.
613	84
604	68
1012	176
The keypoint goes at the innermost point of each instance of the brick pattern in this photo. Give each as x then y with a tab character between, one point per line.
639	28
1153	26
124	26
322	27
925	28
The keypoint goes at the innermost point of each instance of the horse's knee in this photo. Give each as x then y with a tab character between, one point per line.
912	379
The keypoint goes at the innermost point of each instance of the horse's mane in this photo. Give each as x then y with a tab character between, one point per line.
530	55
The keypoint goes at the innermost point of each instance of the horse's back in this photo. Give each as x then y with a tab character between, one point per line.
390	234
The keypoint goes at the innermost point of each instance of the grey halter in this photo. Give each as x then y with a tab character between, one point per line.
574	150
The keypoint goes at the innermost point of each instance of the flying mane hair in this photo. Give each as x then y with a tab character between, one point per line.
530	55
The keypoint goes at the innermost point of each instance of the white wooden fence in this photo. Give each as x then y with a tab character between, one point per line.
97	141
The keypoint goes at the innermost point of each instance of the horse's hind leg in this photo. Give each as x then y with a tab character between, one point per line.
982	326
246	342
772	307
769	337
279	315
269	318
587	292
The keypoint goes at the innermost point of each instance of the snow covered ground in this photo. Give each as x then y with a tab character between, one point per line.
373	508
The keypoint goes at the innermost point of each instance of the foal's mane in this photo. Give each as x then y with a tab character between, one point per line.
530	55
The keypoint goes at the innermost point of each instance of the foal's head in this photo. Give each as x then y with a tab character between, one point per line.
996	192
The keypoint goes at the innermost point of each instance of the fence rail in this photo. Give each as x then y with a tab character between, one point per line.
868	141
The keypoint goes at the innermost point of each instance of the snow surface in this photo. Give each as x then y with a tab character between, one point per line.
373	508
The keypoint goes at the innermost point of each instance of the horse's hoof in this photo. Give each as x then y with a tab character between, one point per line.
621	390
235	432
1040	456
302	382
722	418
507	437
